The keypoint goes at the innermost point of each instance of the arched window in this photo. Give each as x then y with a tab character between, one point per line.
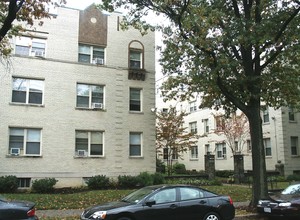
135	55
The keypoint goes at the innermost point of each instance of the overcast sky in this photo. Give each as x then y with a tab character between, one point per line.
81	4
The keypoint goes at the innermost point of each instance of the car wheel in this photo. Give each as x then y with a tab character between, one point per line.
212	216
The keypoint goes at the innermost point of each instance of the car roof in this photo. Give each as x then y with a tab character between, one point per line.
161	186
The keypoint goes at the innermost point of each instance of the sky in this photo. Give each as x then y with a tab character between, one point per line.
81	4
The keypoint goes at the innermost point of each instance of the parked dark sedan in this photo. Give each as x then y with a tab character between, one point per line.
17	210
285	203
165	202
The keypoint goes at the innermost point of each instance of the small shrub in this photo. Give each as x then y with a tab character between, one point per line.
293	177
160	166
224	173
158	178
44	185
145	179
8	184
98	182
127	182
179	168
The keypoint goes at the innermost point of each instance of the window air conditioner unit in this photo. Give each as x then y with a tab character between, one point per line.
15	151
39	53
97	105
81	153
98	61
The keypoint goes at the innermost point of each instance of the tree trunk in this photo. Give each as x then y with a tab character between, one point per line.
259	186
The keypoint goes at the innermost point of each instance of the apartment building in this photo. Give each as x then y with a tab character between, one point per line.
76	100
281	130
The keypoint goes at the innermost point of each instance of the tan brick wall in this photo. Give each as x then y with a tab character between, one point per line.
59	118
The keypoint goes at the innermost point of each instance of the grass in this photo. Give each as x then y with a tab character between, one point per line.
84	199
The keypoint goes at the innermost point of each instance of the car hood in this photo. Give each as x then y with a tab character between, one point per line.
109	206
285	198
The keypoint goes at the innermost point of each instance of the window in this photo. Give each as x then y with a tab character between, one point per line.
27	141
164	196
91	54
28	46
291	114
220	123
135	144
89	96
24	182
135	59
135	99
194	152
165	110
28	91
193	106
193	127
89	143
267	145
167	154
294	146
236	146
249	146
221	150
207	149
190	193
266	116
206	126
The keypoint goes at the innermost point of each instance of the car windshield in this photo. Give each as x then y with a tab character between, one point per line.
2	198
291	190
138	195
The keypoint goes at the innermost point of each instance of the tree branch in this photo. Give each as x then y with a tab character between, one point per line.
13	9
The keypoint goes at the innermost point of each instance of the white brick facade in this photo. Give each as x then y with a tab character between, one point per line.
58	118
279	130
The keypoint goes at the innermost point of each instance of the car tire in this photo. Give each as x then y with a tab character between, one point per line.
212	216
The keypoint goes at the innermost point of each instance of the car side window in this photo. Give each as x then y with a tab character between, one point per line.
164	196
190	193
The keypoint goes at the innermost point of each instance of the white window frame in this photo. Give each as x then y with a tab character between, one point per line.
221	151
91	104
140	60
23	148
268	147
132	99
28	82
266	115
193	106
205	125
193	127
294	146
89	143
28	42
194	152
138	144
291	114
91	54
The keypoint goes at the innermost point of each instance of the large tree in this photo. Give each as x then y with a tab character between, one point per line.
235	53
22	11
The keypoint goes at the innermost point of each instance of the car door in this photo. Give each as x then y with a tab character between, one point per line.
163	206
193	205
